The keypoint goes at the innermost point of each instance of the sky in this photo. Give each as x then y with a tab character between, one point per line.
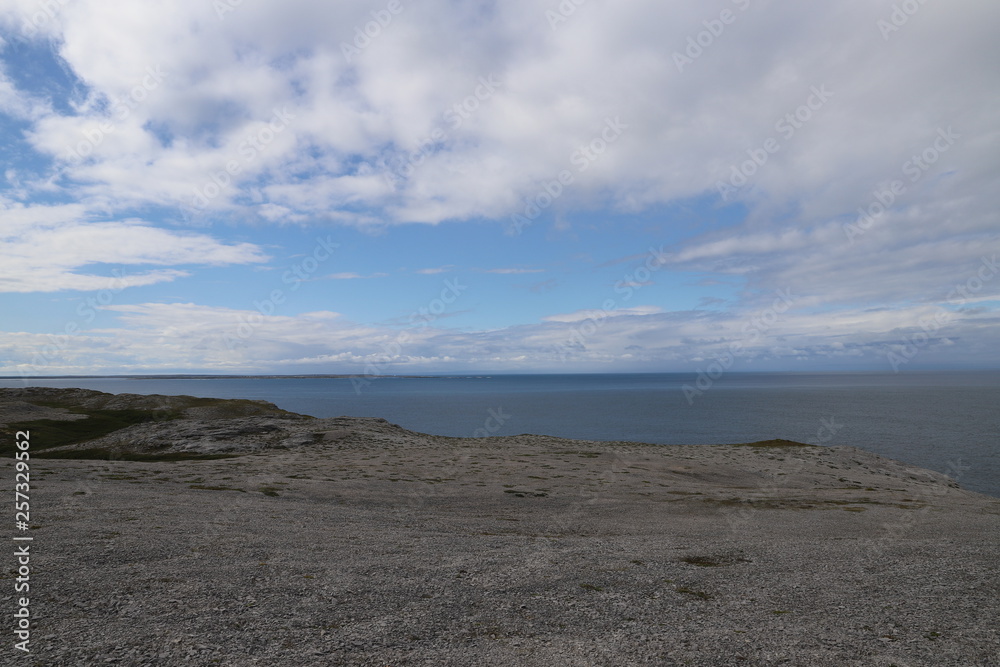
395	187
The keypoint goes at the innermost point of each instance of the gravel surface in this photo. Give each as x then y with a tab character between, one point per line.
359	543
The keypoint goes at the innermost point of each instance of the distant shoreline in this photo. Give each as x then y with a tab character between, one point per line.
215	377
465	374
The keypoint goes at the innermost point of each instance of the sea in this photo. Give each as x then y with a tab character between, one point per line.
946	421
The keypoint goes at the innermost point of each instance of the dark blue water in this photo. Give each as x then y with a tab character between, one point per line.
946	421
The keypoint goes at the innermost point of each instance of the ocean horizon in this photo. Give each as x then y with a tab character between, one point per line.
945	421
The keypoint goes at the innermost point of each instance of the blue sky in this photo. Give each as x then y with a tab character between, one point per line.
528	186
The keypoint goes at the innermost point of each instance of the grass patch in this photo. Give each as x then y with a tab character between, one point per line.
49	433
777	442
205	487
702	561
713	561
231	408
523	494
105	454
701	595
52	433
799	504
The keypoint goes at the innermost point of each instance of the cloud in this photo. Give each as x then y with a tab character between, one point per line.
365	143
513	271
515	109
353	276
582	315
817	151
436	270
156	337
17	103
46	248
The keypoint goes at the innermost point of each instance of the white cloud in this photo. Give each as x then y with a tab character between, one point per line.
350	275
46	250
514	272
17	103
435	270
185	336
369	142
583	315
356	123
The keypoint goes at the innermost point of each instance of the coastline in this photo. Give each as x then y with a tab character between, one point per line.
940	422
353	541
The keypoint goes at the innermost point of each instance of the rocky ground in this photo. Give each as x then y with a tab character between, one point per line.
355	542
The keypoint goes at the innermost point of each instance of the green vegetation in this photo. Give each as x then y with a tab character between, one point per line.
523	494
778	442
714	561
205	487
702	561
105	454
702	595
49	433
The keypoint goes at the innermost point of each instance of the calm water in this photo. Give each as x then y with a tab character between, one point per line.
947	421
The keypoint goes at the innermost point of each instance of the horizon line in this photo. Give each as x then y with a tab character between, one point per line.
434	375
